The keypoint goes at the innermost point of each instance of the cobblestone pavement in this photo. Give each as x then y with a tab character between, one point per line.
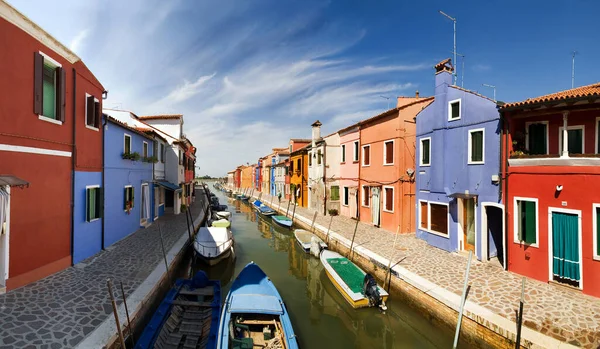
60	310
553	310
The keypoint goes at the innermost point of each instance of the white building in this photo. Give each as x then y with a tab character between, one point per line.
323	171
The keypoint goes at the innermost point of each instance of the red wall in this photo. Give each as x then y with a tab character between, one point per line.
88	142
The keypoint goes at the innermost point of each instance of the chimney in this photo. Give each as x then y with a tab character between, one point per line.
417	94
443	73
316	132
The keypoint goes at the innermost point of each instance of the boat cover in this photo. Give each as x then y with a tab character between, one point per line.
255	303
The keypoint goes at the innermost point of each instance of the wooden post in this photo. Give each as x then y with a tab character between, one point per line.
162	245
328	229
114	306
287	211
128	319
520	318
392	256
353	236
187	221
192	222
312	225
294	212
462	301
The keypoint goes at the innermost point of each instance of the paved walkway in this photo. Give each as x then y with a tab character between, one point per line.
564	314
60	310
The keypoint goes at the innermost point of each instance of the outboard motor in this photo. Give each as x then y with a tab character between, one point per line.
371	291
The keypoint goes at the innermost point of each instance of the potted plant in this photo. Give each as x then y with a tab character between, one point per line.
135	156
333	212
128	206
183	207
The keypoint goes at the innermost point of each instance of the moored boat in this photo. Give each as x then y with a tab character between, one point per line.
254	314
282	220
213	244
222	223
266	210
358	288
304	238
188	315
223	214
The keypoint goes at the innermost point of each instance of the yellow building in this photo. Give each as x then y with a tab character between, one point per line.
246	180
299	176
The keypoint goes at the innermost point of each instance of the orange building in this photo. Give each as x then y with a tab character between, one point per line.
246	179
299	175
387	166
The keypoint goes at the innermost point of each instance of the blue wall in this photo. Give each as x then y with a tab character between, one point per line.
118	174
87	236
272	175
449	171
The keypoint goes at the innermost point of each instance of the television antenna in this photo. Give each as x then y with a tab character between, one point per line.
573	69
453	21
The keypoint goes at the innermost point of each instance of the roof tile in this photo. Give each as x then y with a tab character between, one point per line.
578	92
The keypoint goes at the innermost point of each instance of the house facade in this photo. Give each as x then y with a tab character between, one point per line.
323	171
387	168
349	168
246	180
280	174
458	198
551	168
258	175
48	154
299	176
230	179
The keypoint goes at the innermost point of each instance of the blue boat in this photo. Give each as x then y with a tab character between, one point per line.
283	221
263	209
254	314
188	316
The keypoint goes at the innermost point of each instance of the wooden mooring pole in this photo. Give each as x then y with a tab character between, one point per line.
392	257
128	319
520	318
328	229
162	245
312	225
353	236
187	221
462	301
294	212
287	211
192	222
114	306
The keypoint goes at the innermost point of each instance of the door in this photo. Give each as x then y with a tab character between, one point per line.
468	224
156	200
565	248
495	233
145	203
4	226
376	208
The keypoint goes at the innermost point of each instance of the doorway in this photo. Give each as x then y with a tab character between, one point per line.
157	191
4	234
492	233
565	247
376	208
145	203
467	224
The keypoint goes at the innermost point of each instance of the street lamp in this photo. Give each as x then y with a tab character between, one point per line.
491	86
453	21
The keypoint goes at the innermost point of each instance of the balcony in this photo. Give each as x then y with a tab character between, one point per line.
520	159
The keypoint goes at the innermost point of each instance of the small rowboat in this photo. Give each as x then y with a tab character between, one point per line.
358	288
222	223
188	316
304	238
283	221
213	244
254	315
223	214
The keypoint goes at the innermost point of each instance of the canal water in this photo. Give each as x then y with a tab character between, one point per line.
320	315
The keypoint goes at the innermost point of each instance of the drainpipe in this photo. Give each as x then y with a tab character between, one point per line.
73	156
103	178
505	227
325	178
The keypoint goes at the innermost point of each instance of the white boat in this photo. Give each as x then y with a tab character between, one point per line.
213	244
223	214
304	239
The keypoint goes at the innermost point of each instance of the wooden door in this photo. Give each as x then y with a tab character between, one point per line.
468	224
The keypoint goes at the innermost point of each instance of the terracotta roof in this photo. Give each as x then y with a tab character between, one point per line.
578	92
301	140
393	110
161	117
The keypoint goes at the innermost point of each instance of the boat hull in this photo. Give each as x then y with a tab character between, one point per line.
283	223
215	260
303	238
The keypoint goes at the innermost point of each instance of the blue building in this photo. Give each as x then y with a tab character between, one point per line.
458	166
128	188
274	160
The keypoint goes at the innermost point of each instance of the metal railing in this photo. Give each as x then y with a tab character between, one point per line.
217	249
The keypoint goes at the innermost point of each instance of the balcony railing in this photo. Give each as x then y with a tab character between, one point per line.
554	160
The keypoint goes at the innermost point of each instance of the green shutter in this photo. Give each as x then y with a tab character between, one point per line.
426	152
132	197
87	205
49	92
537	139
529	216
335	193
477	146
100	202
575	144
597	232
125	199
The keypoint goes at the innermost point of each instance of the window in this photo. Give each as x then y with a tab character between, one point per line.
424	215
575	134
454	110
163	153
438	218
299	165
526	223
343	153
309	159
127	147
425	151
319	155
476	146
49	89
180	157
355	153
92	112
596	243
366	155
155	149
388	152
292	167
335	193
290	148
145	149
93	199
346	194
128	198
366	193
388	199
537	138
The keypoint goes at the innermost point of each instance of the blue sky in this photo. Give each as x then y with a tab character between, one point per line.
248	75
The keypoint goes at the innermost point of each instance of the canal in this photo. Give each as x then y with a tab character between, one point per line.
320	315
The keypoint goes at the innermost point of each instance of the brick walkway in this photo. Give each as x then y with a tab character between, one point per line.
561	313
60	310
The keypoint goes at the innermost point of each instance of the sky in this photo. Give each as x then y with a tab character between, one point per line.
248	75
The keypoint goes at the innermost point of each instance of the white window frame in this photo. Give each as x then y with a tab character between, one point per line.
595	254
363	155
450	109
470	147
362	192
125	135
86	111
421	152
95	186
516	221
385	198
385	159
346	199
574	127
56	65
129	186
355	151
527	124
144	143
428	229
550	237
343	149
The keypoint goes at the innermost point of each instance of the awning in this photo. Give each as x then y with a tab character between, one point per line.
13	181
463	196
169	185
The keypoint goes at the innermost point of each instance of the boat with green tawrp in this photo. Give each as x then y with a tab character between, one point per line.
283	221
358	288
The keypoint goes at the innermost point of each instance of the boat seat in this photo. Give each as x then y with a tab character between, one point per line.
242	343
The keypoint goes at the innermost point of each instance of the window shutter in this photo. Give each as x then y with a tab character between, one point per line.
125	198
100	202
132	196
529	208
97	114
87	205
61	98
89	118
38	67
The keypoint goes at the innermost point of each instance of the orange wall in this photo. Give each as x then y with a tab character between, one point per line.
246	181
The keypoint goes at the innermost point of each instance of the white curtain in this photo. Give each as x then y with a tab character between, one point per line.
3	208
147	202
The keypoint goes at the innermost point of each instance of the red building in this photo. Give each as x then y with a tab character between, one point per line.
551	170
189	166
237	177
287	179
42	145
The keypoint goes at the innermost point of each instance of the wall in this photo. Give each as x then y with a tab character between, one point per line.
172	127
87	237
332	168
349	173
159	167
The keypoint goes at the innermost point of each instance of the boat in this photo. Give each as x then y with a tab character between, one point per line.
244	197
257	203
266	210
282	220
187	316
223	223
304	238
213	244
223	214
358	288
254	315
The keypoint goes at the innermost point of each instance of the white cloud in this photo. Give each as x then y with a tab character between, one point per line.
78	40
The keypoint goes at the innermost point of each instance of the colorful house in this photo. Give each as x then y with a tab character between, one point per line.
258	175
279	155
458	197
349	156
551	169
246	173
128	189
323	171
189	165
237	178
299	176
286	179
230	179
387	167
51	150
